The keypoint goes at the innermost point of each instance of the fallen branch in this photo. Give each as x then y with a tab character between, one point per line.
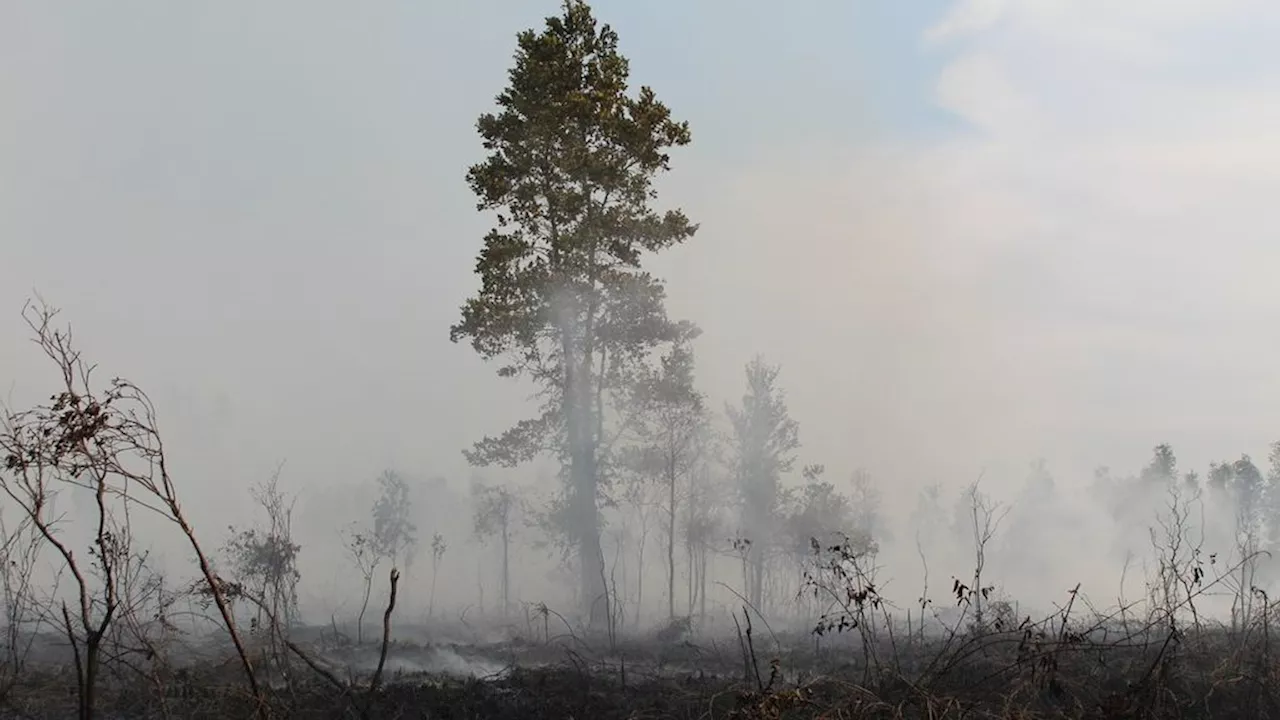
328	676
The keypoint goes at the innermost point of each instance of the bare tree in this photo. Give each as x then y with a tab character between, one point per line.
1179	569
106	440
19	554
984	518
362	548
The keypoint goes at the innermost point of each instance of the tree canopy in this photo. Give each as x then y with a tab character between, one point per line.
564	299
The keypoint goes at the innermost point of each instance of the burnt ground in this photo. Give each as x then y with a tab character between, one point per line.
1147	672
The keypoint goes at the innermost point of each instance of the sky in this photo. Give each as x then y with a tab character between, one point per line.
972	233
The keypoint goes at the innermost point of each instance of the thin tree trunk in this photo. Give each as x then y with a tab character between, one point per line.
702	581
506	571
757	576
431	600
368	590
92	652
640	575
671	538
693	574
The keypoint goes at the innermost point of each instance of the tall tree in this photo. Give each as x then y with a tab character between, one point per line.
1222	477
1249	488
702	517
670	423
563	298
640	506
765	439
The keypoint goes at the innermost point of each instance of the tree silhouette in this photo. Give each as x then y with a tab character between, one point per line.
765	439
671	422
494	514
393	532
564	299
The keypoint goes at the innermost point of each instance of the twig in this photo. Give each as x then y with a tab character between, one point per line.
777	645
755	665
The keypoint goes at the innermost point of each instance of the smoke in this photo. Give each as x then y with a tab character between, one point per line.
436	660
1076	265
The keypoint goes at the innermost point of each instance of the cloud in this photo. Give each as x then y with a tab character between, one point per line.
1083	269
1149	172
967	17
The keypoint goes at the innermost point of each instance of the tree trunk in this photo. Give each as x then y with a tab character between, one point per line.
671	539
431	600
368	590
693	574
506	571
581	431
644	532
594	592
88	699
702	582
756	590
595	596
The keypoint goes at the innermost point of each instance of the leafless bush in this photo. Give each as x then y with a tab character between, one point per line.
104	440
22	613
362	547
844	577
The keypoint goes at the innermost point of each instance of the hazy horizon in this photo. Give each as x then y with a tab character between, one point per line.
972	234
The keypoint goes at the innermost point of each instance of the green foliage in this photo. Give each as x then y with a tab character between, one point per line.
261	557
1242	483
764	442
765	439
394	534
1163	467
671	427
572	158
817	512
1221	476
563	299
266	559
865	502
494	506
668	418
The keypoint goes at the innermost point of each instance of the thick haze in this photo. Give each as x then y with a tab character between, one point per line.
972	233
